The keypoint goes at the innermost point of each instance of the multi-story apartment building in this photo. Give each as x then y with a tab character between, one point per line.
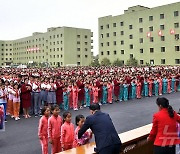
151	35
59	46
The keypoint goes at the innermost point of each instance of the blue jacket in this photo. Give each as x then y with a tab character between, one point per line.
104	131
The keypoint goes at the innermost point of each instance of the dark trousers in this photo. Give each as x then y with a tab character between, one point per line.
165	150
112	149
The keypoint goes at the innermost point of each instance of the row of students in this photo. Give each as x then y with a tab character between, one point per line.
60	132
35	94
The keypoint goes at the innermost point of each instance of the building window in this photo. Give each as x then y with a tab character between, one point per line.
78	42
141	40
86	56
101	27
86	36
122	32
101	35
163	61
162	38
61	56
85	43
177	61
115	52
101	44
58	36
121	23
114	33
107	26
176	36
131	56
78	36
78	56
131	46
176	13
140	30
114	24
130	36
122	42
141	50
102	53
86	49
78	49
151	39
107	34
176	25
130	26
150	18
141	62
163	49
151	50
122	52
151	28
140	20
161	16
161	27
78	63
114	42
152	61
108	43
57	49
177	48
108	53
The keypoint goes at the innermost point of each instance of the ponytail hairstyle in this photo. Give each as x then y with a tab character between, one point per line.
164	103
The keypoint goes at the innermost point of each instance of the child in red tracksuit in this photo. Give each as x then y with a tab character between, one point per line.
54	129
43	129
67	132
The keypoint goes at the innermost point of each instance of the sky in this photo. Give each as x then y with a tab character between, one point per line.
20	18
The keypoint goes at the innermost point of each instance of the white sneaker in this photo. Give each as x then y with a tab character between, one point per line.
75	109
12	116
16	118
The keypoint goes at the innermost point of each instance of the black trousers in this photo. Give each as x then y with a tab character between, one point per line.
165	150
113	149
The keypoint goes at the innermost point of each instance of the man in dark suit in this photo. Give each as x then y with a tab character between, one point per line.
106	137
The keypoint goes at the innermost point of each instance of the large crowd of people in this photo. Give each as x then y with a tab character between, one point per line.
39	91
78	87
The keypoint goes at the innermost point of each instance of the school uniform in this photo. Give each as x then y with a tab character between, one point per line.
75	97
133	89
36	98
66	99
51	96
121	92
95	94
87	96
156	87
43	134
110	92
16	102
105	94
125	92
67	135
54	133
43	93
3	101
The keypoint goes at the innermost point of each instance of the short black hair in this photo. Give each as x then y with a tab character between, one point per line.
94	107
53	107
78	118
44	109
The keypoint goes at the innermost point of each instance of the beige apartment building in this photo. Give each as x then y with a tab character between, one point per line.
151	35
59	46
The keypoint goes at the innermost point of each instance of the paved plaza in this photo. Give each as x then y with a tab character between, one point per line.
21	137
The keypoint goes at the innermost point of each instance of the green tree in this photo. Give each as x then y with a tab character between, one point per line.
95	63
105	62
118	62
132	62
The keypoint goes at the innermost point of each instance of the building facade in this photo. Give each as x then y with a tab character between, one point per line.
59	46
151	35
